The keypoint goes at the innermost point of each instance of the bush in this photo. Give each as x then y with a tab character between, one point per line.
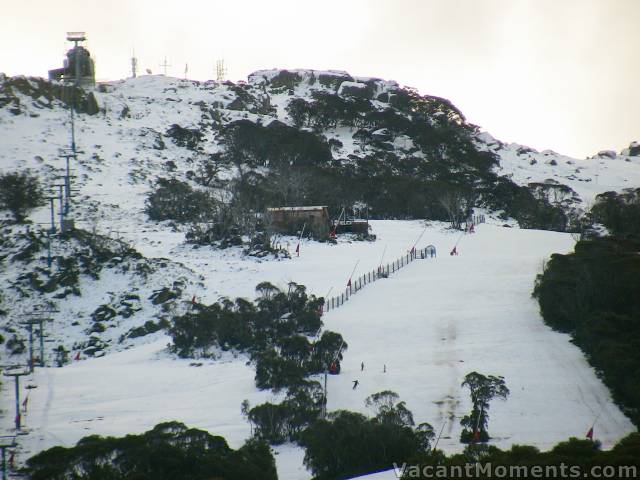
175	200
279	423
274	331
348	444
19	193
170	451
620	213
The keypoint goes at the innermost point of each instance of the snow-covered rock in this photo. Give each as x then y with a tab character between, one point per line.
633	150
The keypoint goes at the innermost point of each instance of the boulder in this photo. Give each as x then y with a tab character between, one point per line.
632	151
354	90
607	154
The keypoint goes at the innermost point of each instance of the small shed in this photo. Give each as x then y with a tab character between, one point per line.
291	219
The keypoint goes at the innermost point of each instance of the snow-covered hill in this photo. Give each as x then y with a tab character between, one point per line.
127	146
432	323
604	171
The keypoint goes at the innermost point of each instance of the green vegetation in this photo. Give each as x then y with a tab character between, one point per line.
170	451
176	200
285	421
348	444
275	331
593	295
619	212
19	193
483	389
579	454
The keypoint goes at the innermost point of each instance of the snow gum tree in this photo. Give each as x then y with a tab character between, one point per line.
483	389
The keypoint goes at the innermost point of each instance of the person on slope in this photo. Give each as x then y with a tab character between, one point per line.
355	384
362	366
454	251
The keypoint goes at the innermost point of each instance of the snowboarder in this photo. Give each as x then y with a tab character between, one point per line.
362	366
355	384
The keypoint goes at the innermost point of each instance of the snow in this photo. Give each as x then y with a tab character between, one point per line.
296	209
587	177
438	320
346	84
430	323
386	475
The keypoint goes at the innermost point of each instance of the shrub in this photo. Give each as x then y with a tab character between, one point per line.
19	193
279	423
620	213
175	200
348	444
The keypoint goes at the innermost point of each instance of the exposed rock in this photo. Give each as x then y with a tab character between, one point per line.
355	90
607	154
632	151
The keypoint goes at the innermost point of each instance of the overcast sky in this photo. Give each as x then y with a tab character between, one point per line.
557	74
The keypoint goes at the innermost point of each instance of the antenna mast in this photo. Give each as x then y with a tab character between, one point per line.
134	65
221	70
165	65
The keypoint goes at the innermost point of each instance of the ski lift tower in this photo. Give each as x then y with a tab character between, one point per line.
76	38
80	66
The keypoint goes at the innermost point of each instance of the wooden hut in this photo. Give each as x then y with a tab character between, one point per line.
290	220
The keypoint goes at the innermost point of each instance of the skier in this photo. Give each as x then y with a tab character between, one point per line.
355	384
362	367
384	368
454	251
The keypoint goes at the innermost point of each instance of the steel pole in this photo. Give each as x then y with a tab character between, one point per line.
17	384
42	343
4	463
31	347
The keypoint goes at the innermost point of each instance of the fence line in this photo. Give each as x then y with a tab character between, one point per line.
384	272
375	275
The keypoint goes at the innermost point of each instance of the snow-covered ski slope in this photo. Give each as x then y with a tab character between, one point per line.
430	324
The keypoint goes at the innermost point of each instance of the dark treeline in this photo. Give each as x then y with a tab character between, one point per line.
579	455
170	451
594	294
